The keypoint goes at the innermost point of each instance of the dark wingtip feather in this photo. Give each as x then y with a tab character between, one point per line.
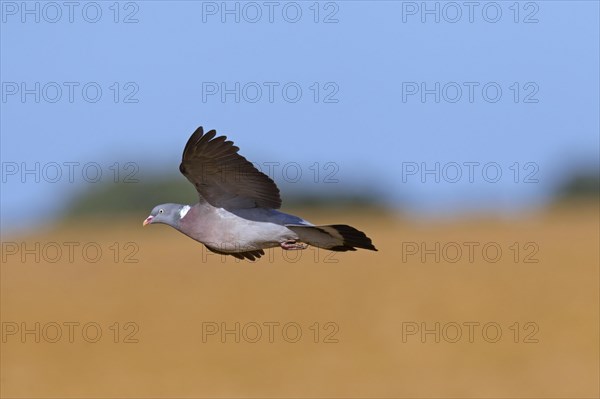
354	237
250	255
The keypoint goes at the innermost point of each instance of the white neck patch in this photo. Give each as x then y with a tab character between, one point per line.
183	211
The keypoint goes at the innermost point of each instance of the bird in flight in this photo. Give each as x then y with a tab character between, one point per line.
237	209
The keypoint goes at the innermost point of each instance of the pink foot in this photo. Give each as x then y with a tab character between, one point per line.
291	245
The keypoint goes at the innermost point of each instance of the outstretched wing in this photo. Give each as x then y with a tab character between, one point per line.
223	177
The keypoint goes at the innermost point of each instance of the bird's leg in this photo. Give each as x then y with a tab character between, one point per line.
292	244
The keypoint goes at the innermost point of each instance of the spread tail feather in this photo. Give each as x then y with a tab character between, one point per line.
335	237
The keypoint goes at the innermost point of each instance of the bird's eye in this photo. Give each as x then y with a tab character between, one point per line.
161	211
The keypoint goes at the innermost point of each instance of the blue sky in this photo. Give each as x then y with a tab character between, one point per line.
333	86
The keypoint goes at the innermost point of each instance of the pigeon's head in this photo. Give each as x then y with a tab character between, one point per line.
169	214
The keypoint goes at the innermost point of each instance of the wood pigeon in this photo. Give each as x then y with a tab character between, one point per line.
236	213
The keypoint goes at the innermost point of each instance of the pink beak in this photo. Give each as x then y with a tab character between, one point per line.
148	220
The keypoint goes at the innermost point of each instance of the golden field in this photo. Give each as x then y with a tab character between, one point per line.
158	301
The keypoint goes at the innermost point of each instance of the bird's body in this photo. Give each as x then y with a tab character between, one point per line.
236	213
239	231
